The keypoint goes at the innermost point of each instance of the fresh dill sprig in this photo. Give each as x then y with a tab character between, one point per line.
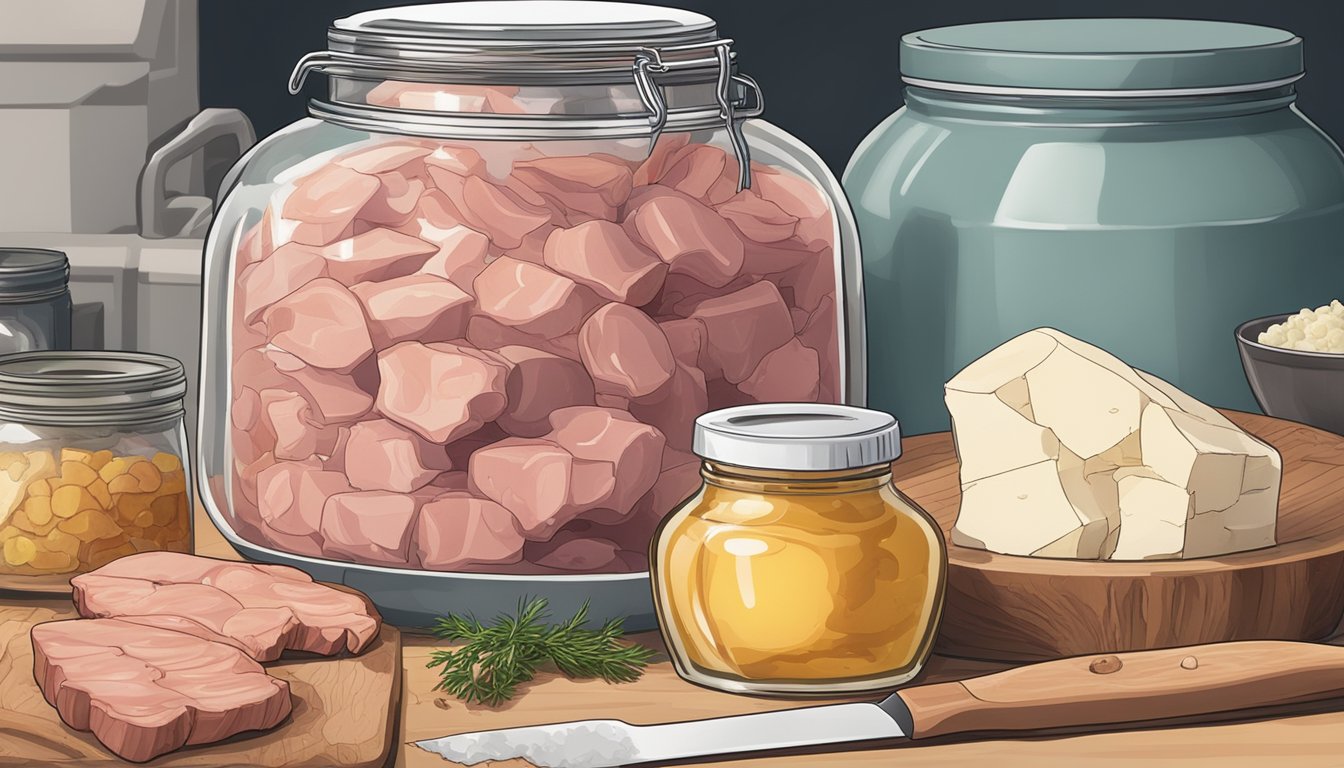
494	660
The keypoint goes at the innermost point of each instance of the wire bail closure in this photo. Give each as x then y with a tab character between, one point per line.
650	62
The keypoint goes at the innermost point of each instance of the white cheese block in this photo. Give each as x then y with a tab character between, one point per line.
1067	452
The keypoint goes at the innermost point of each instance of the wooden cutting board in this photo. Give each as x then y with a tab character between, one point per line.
345	708
1016	609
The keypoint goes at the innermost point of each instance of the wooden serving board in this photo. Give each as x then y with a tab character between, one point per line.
1007	608
345	708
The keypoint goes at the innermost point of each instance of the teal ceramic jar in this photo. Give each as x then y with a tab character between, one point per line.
1143	184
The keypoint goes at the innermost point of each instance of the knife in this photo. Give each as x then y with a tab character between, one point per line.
1080	691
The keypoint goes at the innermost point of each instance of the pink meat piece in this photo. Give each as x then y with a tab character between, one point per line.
378	254
487	333
326	202
758	219
532	298
461	449
686	339
539	383
440	391
625	352
385	157
433	218
394	202
500	213
704	172
689	236
594	186
248	472
457	159
460	258
743	326
322	324
630	451
667	147
291	267
790	374
245	410
673	409
369	527
579	555
679	480
146	691
819	334
533	247
288	417
291	495
334	397
800	199
600	255
532	478
414	307
266	609
810	282
381	455
457	530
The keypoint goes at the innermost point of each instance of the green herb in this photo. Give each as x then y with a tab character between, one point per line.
494	660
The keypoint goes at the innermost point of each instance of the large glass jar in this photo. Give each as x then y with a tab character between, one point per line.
464	317
1145	185
35	308
93	463
798	568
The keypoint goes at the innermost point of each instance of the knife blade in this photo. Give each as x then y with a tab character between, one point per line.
1081	691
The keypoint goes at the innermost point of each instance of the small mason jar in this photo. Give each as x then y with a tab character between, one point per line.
798	568
34	300
93	463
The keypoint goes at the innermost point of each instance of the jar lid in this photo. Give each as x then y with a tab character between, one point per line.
797	436
1102	57
31	274
90	387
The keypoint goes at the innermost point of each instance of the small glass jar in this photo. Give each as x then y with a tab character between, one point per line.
798	568
93	463
35	304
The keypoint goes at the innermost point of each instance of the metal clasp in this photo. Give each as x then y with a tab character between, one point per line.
733	110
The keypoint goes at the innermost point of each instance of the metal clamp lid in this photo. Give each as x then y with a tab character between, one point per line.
90	388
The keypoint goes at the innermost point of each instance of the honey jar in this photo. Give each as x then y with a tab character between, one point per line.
798	568
92	463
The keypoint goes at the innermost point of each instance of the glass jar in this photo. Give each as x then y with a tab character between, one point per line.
798	568
1094	176
93	463
463	318
35	308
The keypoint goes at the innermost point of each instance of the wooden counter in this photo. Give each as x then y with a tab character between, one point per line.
660	696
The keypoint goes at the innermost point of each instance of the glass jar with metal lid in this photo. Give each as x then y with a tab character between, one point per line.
35	308
798	568
507	225
93	463
1144	184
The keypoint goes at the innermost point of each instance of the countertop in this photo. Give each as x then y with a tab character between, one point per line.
660	696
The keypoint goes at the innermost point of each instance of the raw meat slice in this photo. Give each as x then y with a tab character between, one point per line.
600	255
414	307
381	455
377	254
441	391
689	236
457	530
266	608
324	204
322	324
743	327
144	691
790	374
369	526
625	352
540	383
532	298
624	448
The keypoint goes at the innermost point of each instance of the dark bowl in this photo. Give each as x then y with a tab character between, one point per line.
1306	387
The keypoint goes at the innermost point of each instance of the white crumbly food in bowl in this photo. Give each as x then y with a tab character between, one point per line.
1310	330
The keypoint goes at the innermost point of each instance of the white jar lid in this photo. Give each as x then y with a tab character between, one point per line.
797	436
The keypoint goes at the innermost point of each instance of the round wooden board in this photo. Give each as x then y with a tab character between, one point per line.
1007	608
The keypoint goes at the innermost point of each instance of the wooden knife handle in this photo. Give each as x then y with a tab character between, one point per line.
1130	687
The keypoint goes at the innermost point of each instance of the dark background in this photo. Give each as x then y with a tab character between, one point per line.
828	68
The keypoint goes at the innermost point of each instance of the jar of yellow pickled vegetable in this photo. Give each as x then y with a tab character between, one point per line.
797	567
93	463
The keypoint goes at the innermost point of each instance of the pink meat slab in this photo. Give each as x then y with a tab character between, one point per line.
383	455
600	255
334	397
538	384
662	153
369	527
455	158
460	258
266	282
532	298
704	172
790	374
625	352
686	339
377	254
291	494
394	202
384	157
288	416
325	203
674	408
419	307
457	530
144	691
266	608
532	478
322	324
758	219
502	214
743	327
631	451
688	235
593	186
440	391
488	333
810	282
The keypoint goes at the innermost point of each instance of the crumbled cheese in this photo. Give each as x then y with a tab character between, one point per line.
1310	330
